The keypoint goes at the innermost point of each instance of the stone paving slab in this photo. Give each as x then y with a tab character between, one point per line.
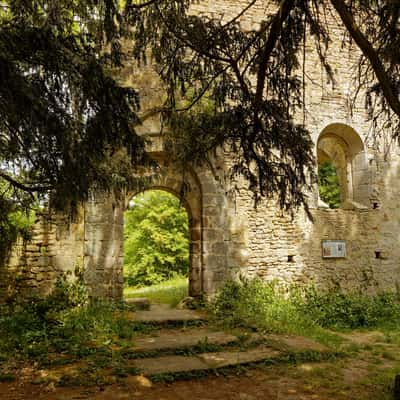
140	303
162	314
297	343
230	358
178	339
173	364
364	338
169	364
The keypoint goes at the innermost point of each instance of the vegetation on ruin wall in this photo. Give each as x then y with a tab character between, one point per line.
14	223
156	245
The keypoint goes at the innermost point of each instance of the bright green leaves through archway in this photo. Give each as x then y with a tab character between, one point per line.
156	246
329	186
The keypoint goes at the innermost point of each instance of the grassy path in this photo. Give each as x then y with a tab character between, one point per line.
170	292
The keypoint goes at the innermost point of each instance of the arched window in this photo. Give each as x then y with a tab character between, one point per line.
342	167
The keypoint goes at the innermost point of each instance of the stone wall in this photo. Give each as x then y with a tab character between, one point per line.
203	197
291	250
229	236
56	248
270	245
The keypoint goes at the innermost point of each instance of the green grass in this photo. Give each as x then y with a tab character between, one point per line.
93	340
263	307
64	322
170	292
267	308
67	322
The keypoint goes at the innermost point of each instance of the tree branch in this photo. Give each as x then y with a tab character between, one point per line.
204	52
154	111
129	6
148	114
275	31
21	186
370	53
238	16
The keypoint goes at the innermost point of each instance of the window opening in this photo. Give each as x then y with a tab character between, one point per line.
328	185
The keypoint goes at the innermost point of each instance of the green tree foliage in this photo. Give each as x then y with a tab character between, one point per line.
65	124
328	184
61	109
156	239
14	222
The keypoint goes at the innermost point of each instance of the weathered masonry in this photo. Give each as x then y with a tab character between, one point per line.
354	247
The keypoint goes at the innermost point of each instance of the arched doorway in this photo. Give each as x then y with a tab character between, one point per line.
156	247
186	188
209	232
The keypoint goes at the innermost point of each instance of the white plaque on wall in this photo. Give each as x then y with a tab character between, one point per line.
333	249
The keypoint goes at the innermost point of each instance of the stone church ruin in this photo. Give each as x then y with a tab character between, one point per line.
355	246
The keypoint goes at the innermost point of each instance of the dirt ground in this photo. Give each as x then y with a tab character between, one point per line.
367	373
255	384
336	380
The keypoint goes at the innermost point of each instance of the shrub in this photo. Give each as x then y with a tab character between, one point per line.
13	224
335	309
63	321
265	306
259	305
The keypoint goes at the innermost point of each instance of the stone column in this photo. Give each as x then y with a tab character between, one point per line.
104	246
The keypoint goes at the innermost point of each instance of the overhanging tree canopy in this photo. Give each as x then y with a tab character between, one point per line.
252	80
65	121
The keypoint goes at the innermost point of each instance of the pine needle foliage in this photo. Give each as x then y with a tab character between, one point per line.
254	80
66	126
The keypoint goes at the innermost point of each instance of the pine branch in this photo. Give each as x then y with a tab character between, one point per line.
370	53
275	31
22	186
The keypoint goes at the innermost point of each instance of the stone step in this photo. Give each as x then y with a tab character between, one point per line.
295	343
162	315
146	354
274	347
138	303
204	361
178	339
